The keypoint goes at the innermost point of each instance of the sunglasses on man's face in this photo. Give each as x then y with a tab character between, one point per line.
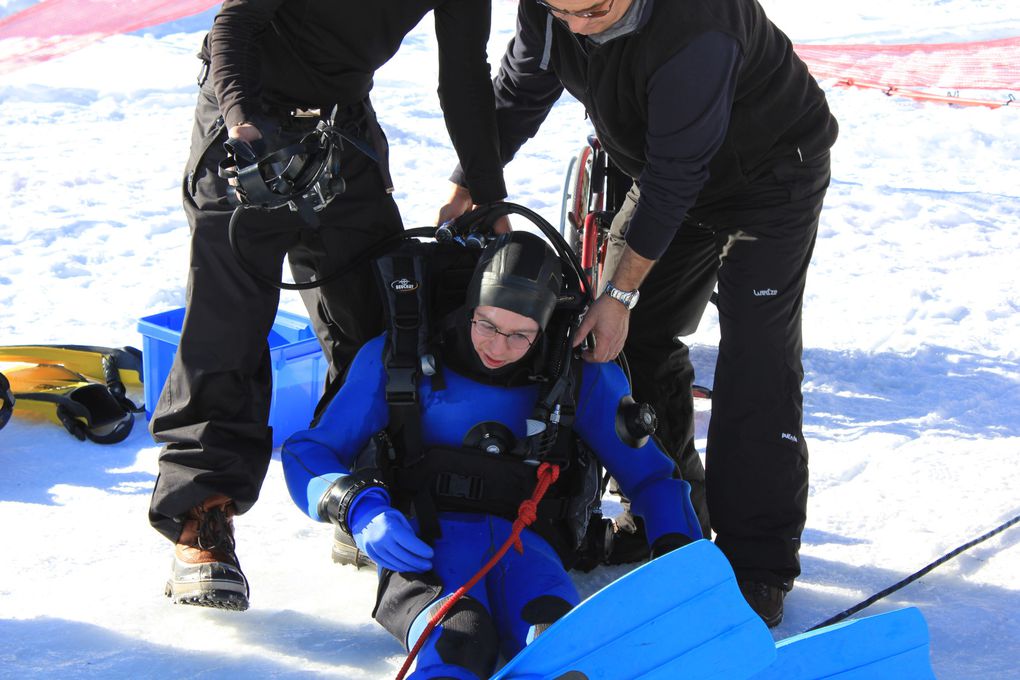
589	13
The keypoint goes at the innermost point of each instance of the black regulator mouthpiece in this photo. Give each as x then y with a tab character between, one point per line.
305	176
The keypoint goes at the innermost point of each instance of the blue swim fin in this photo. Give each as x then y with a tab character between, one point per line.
678	616
893	645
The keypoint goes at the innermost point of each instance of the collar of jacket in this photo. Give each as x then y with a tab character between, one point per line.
645	9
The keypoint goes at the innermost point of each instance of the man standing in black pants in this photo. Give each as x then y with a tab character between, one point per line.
726	136
272	70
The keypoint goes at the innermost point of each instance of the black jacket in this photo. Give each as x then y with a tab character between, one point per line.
284	54
701	99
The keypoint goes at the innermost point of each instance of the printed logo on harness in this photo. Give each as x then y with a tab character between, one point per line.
404	285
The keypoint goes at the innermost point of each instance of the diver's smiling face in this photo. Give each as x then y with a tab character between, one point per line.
501	337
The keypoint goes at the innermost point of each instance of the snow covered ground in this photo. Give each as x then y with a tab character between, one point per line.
912	329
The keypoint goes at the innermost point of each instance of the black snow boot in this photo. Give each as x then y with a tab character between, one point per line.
206	572
765	599
626	541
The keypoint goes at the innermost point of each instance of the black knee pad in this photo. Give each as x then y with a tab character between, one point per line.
469	637
542	612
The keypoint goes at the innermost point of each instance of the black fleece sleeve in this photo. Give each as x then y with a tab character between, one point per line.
525	87
689	103
465	93
235	70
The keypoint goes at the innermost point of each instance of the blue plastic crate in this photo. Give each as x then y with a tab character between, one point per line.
299	368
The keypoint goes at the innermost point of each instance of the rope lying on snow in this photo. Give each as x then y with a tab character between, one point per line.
913	577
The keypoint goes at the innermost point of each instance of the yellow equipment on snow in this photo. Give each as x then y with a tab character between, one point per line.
86	389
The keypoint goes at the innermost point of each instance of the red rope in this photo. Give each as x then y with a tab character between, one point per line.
526	514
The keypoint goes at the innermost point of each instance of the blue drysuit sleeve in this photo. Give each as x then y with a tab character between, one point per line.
645	474
313	459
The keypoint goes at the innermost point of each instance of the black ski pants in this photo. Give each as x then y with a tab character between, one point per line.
756	248
212	416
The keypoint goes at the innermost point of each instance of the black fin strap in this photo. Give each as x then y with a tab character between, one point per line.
71	413
111	374
6	400
118	434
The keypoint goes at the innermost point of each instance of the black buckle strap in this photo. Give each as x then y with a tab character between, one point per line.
203	73
111	374
401	385
407	321
406	318
453	485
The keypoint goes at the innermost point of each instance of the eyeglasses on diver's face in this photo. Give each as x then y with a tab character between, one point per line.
603	8
518	342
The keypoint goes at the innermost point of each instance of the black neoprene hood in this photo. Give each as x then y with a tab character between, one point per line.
519	272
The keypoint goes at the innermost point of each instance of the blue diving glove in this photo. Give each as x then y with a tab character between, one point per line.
385	535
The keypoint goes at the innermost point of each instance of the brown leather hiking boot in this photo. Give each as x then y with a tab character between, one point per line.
765	599
206	572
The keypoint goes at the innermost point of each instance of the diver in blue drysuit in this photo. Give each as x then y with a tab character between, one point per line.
509	303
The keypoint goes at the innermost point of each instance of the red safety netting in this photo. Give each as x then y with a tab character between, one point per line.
923	71
54	28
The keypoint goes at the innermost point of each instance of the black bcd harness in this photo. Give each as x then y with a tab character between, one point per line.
421	284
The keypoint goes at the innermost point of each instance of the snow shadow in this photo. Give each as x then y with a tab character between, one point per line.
53	647
932	390
318	640
972	650
818	537
36	456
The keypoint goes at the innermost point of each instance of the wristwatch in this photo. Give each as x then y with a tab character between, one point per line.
628	298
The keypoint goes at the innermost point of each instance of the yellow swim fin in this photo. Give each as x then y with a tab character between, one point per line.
119	368
87	409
